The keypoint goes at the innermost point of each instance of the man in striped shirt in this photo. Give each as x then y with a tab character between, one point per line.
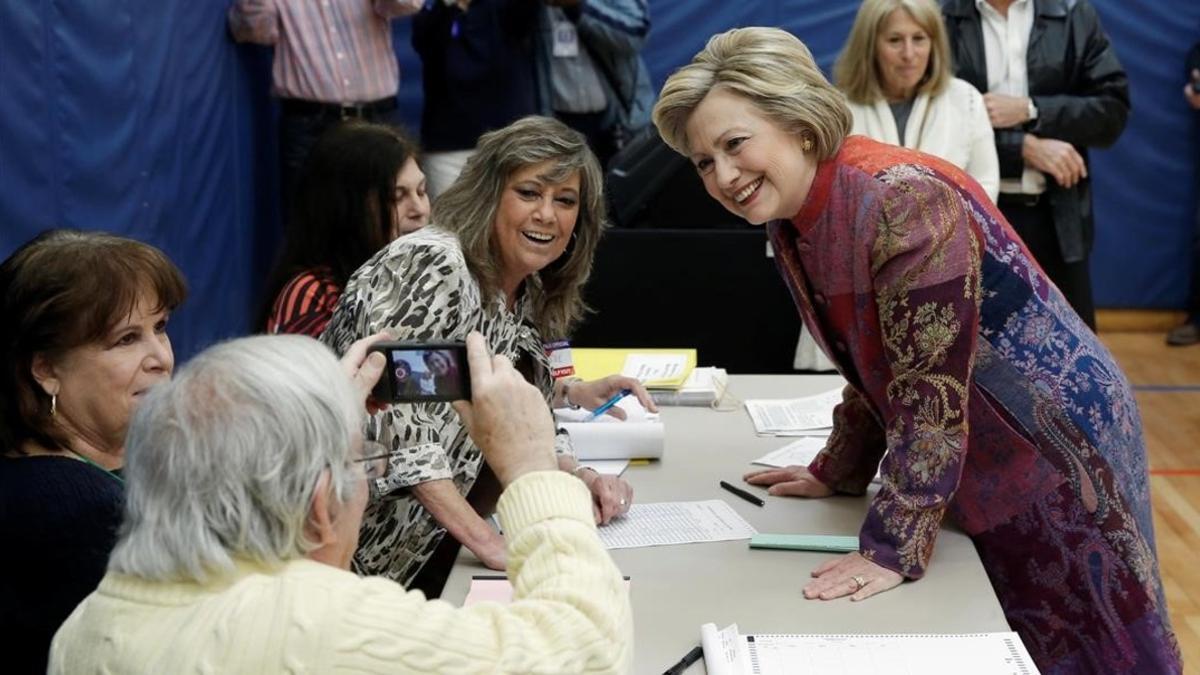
333	61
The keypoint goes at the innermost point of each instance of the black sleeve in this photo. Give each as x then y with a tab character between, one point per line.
431	26
1095	113
1192	62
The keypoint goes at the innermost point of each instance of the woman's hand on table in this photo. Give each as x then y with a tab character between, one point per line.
790	481
611	495
852	575
592	394
493	554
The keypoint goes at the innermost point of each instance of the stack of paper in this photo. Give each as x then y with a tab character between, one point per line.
807	416
639	436
726	652
800	452
704	387
669	523
797	453
655	368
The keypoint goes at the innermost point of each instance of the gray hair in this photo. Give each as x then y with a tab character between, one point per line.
221	463
468	208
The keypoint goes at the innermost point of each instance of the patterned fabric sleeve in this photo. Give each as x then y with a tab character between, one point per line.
419	294
848	462
304	306
925	263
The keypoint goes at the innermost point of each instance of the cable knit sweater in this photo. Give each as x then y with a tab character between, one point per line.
570	611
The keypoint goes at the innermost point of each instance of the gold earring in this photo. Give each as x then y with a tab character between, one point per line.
53	404
807	145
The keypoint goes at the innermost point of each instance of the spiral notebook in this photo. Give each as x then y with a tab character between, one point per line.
727	652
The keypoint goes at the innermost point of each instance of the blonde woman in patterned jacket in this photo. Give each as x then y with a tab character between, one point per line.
508	251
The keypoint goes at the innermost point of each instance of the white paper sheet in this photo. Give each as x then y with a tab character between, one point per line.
775	416
800	452
649	367
607	467
722	650
950	654
668	523
639	436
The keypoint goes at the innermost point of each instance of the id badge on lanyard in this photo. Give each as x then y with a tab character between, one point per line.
566	39
559	354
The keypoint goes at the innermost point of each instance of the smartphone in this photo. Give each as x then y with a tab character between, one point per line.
426	371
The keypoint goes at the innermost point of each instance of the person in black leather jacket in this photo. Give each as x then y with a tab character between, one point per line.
1073	95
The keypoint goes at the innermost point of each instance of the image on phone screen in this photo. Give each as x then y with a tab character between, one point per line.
424	372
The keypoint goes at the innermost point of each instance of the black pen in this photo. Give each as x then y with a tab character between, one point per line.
687	660
743	494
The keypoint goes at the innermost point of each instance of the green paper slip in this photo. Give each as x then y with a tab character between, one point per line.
806	542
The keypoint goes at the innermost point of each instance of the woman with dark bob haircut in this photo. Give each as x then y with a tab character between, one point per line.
508	253
360	188
84	338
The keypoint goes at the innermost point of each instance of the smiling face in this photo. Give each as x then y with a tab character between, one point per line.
438	363
411	201
534	222
754	168
98	385
902	55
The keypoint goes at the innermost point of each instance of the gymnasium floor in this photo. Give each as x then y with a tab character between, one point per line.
1167	384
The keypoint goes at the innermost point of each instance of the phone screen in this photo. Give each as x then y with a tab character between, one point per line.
423	372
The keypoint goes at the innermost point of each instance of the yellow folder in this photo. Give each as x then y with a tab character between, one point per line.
593	364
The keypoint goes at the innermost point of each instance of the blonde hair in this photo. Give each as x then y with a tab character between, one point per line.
773	70
468	209
857	69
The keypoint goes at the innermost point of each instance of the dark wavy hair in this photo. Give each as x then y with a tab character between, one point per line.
61	290
342	213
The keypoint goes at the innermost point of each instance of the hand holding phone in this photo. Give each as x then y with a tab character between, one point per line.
429	371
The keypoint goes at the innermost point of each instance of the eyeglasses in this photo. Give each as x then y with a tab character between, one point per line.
376	465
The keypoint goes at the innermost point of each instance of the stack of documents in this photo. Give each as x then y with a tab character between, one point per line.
800	452
704	387
807	416
672	523
726	652
654	368
639	436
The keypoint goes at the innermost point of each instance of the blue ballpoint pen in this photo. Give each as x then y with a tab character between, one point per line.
608	404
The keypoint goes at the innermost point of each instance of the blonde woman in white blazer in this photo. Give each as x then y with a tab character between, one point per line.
896	65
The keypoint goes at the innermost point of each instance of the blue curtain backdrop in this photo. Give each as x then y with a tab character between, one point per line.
143	118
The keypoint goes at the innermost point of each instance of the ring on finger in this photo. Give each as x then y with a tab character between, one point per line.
859	582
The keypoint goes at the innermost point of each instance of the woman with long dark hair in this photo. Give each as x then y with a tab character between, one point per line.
360	189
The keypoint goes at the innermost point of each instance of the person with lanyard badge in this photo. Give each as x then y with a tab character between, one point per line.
590	72
84	340
507	252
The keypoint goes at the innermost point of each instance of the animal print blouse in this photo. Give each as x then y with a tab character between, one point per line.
420	289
